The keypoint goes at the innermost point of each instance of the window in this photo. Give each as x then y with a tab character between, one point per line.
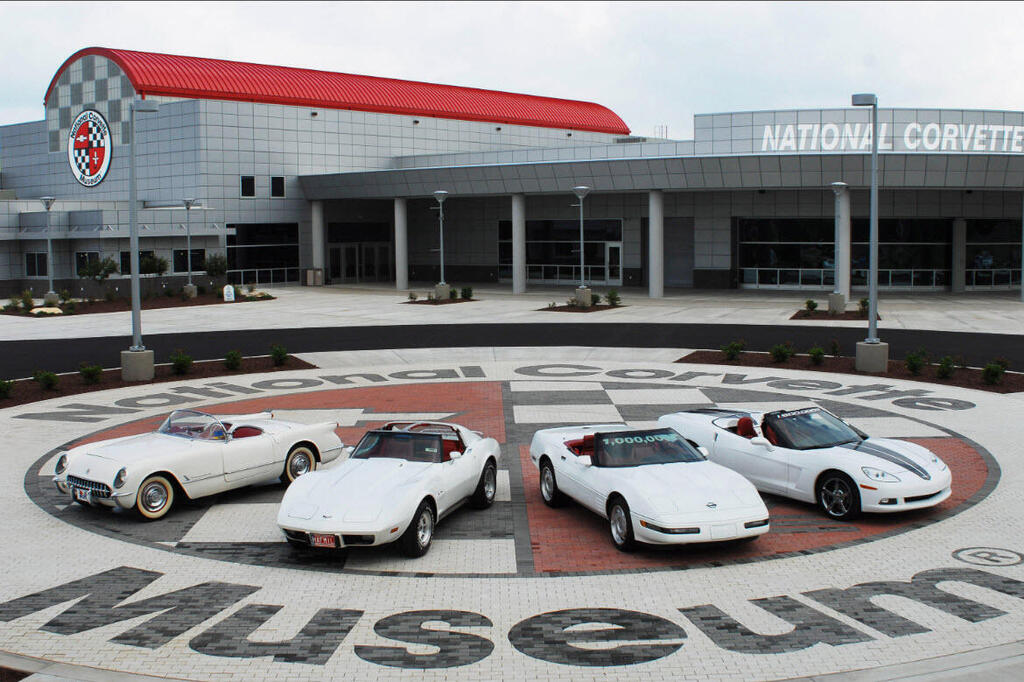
277	186
126	264
248	186
198	260
35	265
83	258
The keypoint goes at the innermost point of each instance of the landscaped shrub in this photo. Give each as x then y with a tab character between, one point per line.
181	362
781	352
152	265
216	265
947	365
47	380
69	308
413	296
811	305
453	293
817	355
613	298
27	301
834	348
467	293
65	295
992	373
915	361
5	388
862	307
279	354
90	373
233	359
732	350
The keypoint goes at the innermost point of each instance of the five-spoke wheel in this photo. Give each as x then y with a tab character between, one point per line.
620	525
838	496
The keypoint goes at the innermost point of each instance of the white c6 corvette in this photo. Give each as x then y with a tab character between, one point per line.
195	454
814	456
651	485
399	481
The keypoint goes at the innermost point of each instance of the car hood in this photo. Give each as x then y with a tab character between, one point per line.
357	490
124	451
896	456
688	487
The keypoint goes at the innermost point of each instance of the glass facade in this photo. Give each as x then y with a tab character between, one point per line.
993	253
800	252
553	251
263	253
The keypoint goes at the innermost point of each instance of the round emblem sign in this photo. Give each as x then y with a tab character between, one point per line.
89	148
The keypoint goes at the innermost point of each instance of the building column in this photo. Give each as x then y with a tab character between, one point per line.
842	237
318	238
655	244
518	244
959	261
401	245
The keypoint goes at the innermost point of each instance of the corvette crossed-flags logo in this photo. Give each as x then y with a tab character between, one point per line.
89	147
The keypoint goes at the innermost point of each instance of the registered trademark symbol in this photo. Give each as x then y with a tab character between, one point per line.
988	556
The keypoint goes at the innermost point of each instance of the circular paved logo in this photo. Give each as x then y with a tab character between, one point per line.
988	556
519	535
89	148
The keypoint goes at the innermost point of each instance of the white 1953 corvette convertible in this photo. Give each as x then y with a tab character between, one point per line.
814	456
194	454
397	484
651	485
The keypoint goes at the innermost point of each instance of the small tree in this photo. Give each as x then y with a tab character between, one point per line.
216	265
98	270
153	265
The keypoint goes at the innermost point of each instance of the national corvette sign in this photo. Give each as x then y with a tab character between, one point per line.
89	148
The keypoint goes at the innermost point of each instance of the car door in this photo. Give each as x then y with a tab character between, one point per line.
252	457
593	485
765	467
464	471
568	472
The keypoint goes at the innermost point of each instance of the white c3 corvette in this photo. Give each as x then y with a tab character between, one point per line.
651	485
814	456
195	454
399	481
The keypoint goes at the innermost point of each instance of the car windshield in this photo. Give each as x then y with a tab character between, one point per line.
810	428
639	448
413	447
192	424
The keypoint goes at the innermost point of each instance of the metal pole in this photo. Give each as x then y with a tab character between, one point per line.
582	277
133	242
441	217
873	281
188	240
49	253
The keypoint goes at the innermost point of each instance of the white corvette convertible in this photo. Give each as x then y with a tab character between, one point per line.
397	484
193	454
651	485
814	456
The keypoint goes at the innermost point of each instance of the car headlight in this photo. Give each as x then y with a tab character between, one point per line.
942	465
119	479
62	464
879	475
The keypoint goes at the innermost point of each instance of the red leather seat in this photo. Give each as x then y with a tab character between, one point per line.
745	427
246	432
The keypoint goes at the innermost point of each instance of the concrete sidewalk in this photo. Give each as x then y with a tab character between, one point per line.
382	305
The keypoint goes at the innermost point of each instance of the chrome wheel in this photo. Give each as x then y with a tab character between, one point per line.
620	525
547	484
490	483
299	465
415	541
301	460
155	497
838	497
424	528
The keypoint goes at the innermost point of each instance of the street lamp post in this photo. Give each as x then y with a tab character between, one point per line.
581	191
51	297
441	290
872	355
189	203
136	362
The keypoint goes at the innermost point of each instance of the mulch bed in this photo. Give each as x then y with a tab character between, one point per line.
441	301
1012	382
29	390
825	315
577	309
122	304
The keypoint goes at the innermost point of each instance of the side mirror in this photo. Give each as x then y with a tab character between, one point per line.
585	460
762	442
455	454
704	451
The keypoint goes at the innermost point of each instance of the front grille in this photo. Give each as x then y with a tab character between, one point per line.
920	498
97	489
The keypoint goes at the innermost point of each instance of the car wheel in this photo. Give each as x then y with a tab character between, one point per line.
415	541
838	496
155	497
620	525
549	486
483	497
301	460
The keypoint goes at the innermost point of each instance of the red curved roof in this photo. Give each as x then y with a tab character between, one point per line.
199	78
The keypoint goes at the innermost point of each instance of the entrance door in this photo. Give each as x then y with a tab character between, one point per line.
334	264
613	263
350	263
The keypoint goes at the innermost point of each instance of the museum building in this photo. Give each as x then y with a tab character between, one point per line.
296	175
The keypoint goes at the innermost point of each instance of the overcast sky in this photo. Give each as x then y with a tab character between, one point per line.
652	63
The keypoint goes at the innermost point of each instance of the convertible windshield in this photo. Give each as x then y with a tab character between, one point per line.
192	424
413	447
810	428
639	448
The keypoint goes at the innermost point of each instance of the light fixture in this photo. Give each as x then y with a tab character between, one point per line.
581	191
441	195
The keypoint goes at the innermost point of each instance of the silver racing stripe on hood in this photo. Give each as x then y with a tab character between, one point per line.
889	455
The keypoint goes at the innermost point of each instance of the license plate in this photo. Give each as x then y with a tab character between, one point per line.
319	540
82	495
